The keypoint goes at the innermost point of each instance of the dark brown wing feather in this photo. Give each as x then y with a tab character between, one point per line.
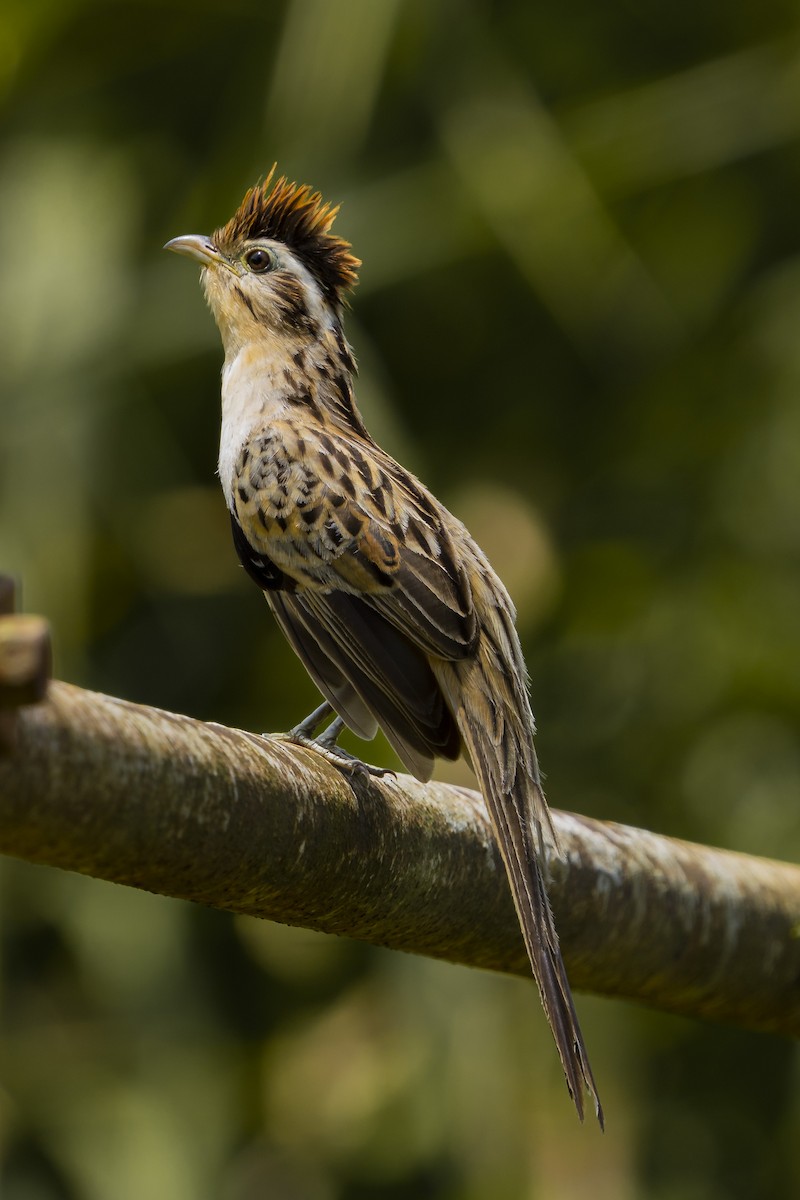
425	593
432	604
335	687
340	636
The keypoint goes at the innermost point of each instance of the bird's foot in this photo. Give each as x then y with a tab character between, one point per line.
326	744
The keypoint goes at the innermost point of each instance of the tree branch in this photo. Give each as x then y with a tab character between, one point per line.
162	802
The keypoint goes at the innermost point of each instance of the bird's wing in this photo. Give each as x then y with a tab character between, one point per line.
395	549
359	660
376	591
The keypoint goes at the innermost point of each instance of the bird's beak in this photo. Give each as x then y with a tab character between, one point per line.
199	247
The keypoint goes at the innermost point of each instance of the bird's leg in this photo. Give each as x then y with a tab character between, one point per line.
328	738
304	732
326	742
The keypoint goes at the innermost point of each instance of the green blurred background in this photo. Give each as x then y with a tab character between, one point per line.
577	322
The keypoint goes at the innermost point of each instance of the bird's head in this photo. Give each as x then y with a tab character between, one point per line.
275	269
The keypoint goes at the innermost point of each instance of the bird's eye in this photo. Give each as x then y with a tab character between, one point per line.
259	260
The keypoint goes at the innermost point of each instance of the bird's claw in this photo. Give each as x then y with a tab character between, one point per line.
325	745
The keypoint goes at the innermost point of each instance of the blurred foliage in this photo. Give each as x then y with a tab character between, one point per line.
578	322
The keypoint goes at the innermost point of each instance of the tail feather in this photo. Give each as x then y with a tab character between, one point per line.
497	727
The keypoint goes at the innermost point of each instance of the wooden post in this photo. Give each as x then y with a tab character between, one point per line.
25	662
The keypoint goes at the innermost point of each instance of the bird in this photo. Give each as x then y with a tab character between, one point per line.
390	604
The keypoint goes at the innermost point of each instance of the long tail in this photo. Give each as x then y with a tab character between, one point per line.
491	706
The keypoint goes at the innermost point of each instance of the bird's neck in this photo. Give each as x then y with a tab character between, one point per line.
267	380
